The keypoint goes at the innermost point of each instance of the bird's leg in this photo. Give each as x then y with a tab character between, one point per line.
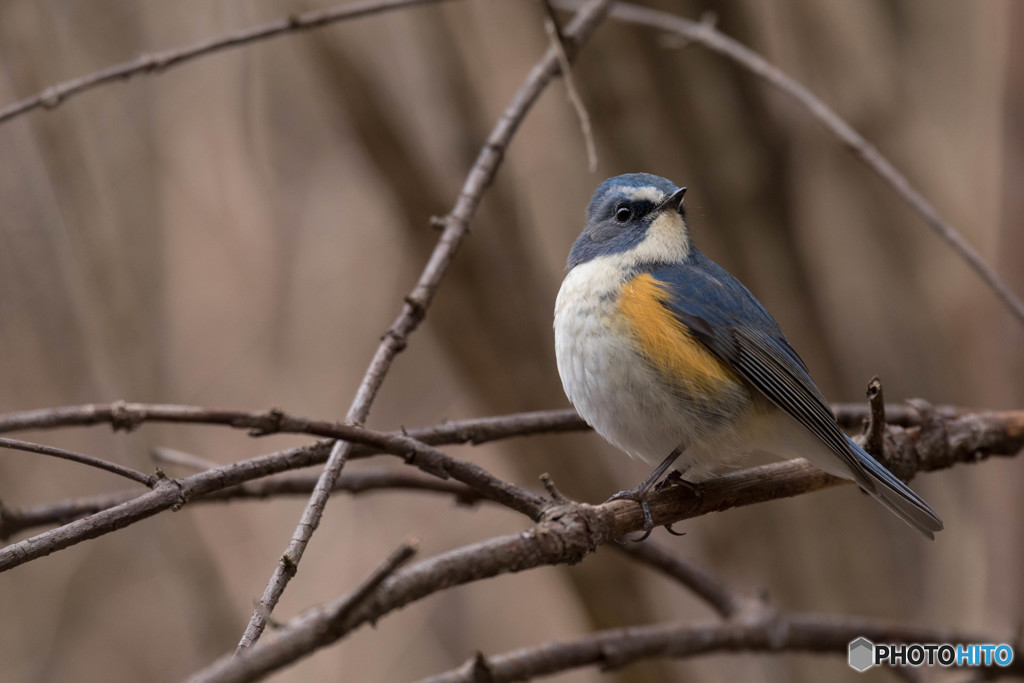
640	493
675	478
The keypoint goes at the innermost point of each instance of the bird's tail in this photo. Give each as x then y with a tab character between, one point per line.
897	496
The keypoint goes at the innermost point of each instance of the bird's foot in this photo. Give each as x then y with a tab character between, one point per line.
675	478
638	495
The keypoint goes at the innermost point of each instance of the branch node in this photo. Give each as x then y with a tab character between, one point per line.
160	478
439	222
51	98
418	309
269	423
123	419
932	443
480	669
288	564
424	459
613	656
398	339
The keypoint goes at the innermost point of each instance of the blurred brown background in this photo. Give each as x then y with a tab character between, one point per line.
237	232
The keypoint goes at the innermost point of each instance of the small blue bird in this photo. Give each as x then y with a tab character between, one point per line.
669	357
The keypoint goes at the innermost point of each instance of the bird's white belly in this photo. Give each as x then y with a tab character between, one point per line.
615	389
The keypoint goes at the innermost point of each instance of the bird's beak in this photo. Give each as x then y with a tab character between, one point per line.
673	201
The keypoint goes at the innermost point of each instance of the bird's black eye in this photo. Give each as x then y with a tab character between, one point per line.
623	213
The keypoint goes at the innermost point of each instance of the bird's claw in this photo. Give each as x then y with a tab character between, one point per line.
668	528
639	497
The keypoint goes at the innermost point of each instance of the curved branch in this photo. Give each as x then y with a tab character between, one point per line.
456	227
157	62
703	584
705	34
81	458
773	634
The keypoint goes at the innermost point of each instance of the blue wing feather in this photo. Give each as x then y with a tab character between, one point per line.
733	325
723	315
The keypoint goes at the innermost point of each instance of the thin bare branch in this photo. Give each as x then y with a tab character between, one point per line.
158	62
81	458
774	634
704	33
17	520
705	585
554	31
129	416
456	227
310	631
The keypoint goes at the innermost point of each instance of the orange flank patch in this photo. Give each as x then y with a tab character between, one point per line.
667	343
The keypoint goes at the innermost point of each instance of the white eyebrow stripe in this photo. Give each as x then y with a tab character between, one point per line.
650	193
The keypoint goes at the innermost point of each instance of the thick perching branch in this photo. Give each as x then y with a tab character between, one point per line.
938	442
572	531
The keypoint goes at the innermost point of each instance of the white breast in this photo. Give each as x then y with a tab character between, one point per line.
614	389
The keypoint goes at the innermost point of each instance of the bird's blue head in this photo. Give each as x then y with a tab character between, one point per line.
639	216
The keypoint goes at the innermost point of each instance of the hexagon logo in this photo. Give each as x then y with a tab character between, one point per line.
862	654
